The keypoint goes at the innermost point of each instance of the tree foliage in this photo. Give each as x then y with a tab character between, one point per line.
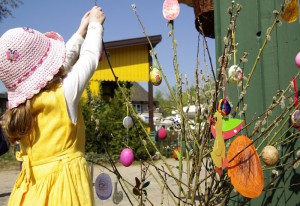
104	126
6	6
167	104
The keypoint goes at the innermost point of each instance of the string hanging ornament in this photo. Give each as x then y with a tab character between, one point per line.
155	74
127	155
127	121
171	9
162	133
270	155
103	186
297	60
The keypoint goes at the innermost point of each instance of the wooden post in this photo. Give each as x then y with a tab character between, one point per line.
150	105
150	99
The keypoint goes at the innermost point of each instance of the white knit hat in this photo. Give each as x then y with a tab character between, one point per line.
28	60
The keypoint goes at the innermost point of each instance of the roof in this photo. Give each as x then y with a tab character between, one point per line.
138	93
187	2
133	42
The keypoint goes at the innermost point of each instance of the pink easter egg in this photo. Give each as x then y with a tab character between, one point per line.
171	9
297	60
126	157
162	133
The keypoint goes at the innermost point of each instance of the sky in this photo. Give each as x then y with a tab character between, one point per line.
64	16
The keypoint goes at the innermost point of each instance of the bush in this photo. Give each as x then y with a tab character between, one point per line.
105	130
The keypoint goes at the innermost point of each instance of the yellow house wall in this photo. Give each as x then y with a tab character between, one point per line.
129	64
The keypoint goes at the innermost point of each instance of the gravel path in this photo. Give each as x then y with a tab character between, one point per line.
8	177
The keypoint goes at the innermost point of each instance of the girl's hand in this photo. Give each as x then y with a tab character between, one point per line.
97	15
84	24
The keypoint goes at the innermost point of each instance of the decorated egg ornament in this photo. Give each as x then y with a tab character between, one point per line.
235	74
224	107
127	122
297	60
162	133
270	155
155	76
103	186
171	9
295	118
126	157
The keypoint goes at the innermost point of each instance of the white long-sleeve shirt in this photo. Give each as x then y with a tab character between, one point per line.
87	51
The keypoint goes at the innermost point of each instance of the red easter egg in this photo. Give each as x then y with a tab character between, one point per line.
162	133
297	60
126	157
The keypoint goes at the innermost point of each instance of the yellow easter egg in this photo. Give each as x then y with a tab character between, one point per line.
270	155
155	76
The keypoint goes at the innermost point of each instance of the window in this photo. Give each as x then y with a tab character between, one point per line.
138	108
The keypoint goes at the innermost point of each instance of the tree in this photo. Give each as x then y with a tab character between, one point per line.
165	104
104	126
6	6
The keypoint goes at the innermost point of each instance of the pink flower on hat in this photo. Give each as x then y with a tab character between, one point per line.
12	55
28	60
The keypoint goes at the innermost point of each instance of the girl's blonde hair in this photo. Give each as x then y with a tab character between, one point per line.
18	122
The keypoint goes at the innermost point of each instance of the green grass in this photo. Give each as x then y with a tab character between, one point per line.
8	161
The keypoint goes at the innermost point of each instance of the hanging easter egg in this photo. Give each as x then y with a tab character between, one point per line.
126	157
235	74
155	76
224	107
127	122
103	186
270	155
171	9
295	118
162	133
177	153
297	60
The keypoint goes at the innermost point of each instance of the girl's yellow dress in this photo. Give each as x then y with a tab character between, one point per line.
54	170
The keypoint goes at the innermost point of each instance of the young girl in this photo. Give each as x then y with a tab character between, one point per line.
43	110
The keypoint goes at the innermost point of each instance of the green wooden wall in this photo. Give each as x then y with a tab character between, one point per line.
274	71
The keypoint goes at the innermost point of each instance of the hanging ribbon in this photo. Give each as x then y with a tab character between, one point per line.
296	99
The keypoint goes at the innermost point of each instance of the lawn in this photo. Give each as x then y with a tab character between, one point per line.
8	160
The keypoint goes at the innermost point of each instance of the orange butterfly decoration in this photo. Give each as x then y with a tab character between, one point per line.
291	11
245	169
